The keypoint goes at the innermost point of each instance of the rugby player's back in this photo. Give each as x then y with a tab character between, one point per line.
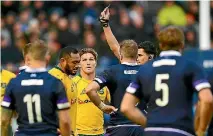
36	96
117	79
168	86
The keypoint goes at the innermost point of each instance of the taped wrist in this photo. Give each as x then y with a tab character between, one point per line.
101	106
104	22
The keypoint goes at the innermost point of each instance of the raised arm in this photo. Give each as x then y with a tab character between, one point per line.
111	40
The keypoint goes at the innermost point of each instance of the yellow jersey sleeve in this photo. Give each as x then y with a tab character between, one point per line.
108	97
70	91
6	76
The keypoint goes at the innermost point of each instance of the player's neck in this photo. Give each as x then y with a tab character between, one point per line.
128	60
37	64
59	65
90	76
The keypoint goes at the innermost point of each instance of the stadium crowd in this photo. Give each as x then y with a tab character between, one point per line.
75	23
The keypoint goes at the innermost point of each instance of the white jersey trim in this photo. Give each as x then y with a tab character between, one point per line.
99	80
131	90
5	104
162	62
168	130
30	82
125	125
200	86
170	53
63	105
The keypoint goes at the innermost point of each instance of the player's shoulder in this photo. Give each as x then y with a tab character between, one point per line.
8	73
76	78
119	67
56	72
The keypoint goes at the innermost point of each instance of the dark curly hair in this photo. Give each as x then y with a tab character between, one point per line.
149	48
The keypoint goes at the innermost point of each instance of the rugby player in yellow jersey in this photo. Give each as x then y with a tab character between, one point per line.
89	118
67	67
6	76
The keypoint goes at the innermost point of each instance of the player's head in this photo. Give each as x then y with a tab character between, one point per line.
146	51
171	38
35	51
69	59
128	50
25	51
88	60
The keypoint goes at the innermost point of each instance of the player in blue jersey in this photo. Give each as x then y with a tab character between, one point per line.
146	50
167	84
38	98
210	78
117	78
24	52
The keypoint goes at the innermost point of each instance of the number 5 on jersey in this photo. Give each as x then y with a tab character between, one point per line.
159	86
29	99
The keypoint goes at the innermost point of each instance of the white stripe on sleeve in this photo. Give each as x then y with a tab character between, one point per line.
203	85
63	105
5	104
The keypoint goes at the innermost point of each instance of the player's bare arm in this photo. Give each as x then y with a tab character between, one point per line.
91	91
64	122
6	115
129	109
205	110
111	40
197	116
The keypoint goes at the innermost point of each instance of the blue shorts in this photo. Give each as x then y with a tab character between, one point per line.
125	131
42	134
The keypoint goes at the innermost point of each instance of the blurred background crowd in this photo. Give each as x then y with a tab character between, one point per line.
75	23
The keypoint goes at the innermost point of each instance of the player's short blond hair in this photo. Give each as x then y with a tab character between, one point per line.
129	49
89	50
171	38
37	50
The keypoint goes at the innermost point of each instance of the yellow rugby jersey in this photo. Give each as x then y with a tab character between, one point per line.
70	91
6	76
90	119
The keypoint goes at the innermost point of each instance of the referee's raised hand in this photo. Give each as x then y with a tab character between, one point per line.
104	17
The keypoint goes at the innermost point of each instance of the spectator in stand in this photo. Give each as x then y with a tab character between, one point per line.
194	9
191	39
171	14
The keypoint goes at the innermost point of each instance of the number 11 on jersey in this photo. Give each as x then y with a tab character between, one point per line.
29	99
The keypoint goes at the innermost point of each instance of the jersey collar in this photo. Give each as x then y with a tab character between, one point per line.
130	64
23	67
170	53
57	67
35	70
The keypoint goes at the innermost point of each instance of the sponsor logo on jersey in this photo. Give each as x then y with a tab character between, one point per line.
101	91
73	101
3	85
83	101
83	92
73	87
129	72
